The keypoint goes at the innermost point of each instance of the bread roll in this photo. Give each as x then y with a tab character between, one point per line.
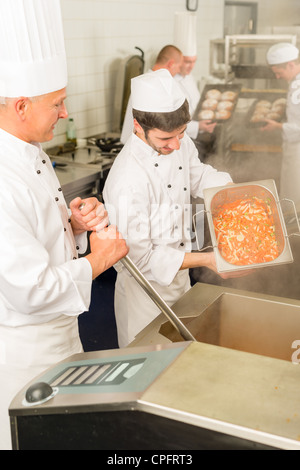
264	103
258	117
278	108
213	94
228	105
209	104
223	114
261	110
206	114
273	116
228	96
280	101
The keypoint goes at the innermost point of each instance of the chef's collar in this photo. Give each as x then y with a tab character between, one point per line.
146	151
30	150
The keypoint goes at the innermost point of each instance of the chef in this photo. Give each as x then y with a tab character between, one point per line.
185	39
147	193
283	59
44	285
170	58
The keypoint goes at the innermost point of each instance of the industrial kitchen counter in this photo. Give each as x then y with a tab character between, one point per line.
82	172
243	372
162	394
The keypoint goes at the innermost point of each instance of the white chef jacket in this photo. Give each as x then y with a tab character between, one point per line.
147	196
40	275
291	128
290	171
43	286
192	94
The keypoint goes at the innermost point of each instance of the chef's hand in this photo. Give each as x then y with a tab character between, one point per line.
234	274
208	260
107	248
207	126
88	215
271	125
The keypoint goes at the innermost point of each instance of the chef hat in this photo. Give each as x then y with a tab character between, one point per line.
32	52
156	92
185	37
282	53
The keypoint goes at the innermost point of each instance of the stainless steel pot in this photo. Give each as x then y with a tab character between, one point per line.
214	198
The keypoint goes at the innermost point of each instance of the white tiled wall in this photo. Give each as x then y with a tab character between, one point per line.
99	33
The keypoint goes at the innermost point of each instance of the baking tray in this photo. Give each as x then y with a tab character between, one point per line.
268	97
214	198
222	88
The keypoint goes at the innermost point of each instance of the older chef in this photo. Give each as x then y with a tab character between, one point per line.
283	59
185	39
147	193
44	286
170	58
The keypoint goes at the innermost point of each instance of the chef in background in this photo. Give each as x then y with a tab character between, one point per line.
44	285
147	193
170	58
185	39
283	58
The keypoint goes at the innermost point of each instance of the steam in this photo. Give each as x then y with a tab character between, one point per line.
247	166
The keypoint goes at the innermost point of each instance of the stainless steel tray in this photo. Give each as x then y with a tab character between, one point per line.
266	189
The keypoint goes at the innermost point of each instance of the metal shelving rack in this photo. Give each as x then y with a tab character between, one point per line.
228	49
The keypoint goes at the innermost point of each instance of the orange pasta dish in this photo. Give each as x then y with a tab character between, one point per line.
245	232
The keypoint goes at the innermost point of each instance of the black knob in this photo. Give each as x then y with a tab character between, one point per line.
38	392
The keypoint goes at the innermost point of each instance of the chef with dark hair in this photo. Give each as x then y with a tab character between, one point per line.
169	58
147	195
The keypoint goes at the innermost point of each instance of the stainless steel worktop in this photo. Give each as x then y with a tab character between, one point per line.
170	395
82	172
249	389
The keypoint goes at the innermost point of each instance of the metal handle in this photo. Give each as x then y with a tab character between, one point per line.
197	241
296	215
155	297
